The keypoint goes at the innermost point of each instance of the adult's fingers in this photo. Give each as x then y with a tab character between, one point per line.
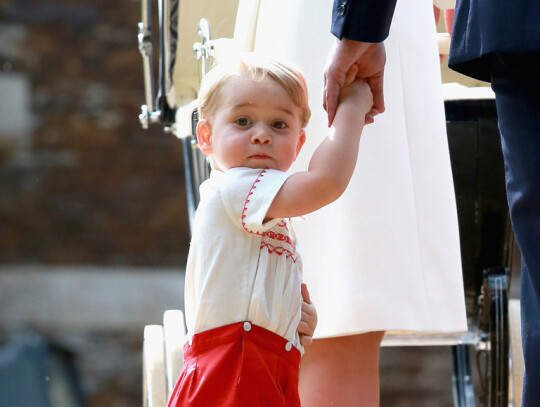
376	84
351	75
331	96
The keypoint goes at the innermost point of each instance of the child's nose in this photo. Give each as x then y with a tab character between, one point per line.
260	136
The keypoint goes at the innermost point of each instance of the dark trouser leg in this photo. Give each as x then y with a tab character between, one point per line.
517	88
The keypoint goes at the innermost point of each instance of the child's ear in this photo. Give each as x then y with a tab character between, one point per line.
301	141
204	132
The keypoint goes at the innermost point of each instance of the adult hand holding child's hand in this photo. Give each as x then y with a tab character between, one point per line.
358	93
369	59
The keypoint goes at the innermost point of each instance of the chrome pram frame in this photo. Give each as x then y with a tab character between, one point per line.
493	319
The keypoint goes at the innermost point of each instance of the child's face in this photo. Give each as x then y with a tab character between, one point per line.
256	124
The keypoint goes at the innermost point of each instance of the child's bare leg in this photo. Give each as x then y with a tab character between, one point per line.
341	372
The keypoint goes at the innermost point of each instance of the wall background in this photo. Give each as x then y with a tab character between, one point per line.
81	182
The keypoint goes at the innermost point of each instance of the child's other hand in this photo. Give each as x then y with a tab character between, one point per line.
308	322
357	92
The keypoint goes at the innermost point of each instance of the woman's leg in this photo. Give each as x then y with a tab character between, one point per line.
342	371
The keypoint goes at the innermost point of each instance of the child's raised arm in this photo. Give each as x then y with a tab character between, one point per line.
332	164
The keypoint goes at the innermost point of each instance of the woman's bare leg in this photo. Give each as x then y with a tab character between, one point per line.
342	371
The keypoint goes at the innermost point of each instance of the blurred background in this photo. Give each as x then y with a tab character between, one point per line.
93	220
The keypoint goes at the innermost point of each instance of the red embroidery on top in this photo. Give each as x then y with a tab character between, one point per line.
270	234
280	251
283	224
277	236
258	179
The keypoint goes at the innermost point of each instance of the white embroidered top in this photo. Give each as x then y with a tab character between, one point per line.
239	268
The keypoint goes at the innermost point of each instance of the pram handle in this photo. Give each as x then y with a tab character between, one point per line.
204	48
148	113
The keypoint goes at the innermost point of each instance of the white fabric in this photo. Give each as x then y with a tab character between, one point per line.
239	268
386	255
445	4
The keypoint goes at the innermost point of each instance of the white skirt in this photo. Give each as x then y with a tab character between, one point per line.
386	255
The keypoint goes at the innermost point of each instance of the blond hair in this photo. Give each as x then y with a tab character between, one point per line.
256	68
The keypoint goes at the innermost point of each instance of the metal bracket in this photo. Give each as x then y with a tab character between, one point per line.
204	48
144	38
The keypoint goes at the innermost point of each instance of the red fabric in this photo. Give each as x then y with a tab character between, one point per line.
231	367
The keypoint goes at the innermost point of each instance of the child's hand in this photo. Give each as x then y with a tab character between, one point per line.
357	92
307	324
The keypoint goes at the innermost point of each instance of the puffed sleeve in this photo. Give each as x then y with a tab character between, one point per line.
247	195
362	20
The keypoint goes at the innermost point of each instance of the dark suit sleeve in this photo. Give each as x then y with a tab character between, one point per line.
362	20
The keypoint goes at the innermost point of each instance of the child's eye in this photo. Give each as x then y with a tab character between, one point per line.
243	121
279	124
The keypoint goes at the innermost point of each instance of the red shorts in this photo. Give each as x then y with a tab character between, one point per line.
238	365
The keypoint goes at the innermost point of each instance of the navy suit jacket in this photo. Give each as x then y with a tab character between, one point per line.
481	28
362	20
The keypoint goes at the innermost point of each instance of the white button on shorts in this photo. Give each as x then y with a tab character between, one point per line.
288	346
247	326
